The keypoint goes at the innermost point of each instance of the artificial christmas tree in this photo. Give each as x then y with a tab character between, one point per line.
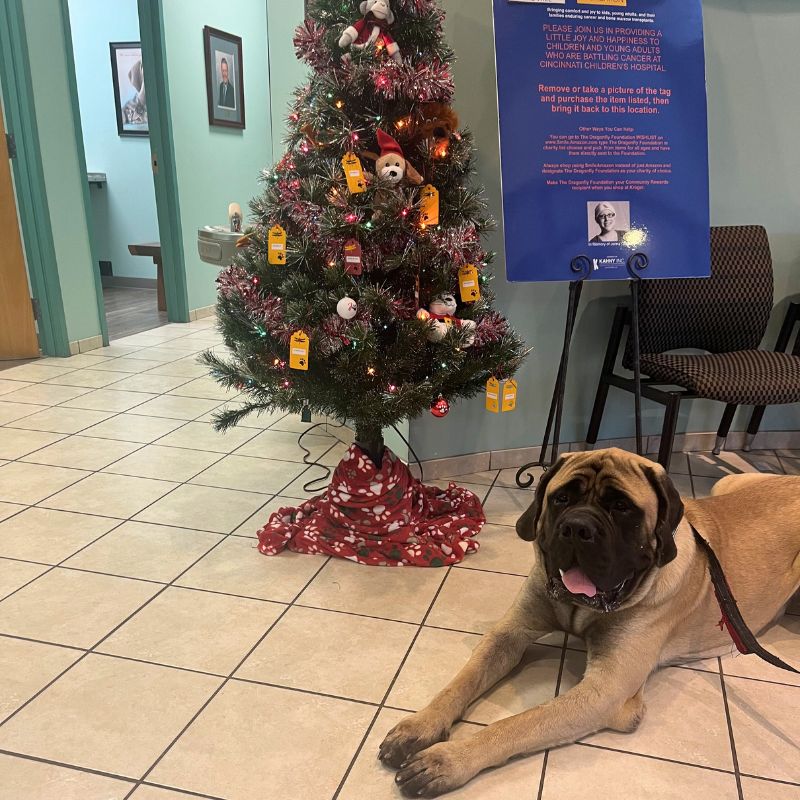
343	300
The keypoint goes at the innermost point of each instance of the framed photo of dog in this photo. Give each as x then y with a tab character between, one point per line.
130	100
224	78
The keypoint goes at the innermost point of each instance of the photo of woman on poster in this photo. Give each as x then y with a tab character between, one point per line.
613	225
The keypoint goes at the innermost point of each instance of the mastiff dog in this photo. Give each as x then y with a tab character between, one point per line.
616	564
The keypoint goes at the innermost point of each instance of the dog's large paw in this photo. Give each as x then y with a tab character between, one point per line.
409	736
439	769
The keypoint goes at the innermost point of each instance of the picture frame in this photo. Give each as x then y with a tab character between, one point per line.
130	100
224	78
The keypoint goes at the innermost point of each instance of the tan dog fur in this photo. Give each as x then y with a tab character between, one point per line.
753	524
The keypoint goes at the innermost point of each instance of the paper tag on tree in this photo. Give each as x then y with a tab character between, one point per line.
352	257
468	283
493	395
429	206
354	172
298	350
509	395
277	245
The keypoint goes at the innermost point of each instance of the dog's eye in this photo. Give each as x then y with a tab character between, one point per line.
621	506
561	499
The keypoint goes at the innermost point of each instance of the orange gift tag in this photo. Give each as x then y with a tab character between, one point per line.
298	351
468	283
493	395
354	173
277	245
429	206
509	395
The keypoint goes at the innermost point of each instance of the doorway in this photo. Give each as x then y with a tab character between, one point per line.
18	337
110	80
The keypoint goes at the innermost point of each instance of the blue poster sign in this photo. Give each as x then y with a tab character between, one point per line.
603	136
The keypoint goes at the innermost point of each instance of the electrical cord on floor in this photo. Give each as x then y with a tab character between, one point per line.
312	486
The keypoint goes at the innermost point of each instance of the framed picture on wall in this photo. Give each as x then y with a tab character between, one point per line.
224	78
129	95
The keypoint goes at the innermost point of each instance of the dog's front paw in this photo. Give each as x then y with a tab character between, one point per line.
409	736
439	769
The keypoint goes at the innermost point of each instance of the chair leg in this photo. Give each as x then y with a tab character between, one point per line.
597	413
612	350
668	431
724	428
752	428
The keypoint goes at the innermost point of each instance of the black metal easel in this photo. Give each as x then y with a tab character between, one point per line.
637	263
581	266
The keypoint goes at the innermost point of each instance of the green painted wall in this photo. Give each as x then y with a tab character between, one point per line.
287	73
63	178
215	166
754	116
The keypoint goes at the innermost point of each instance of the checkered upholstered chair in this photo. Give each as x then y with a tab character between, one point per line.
790	323
725	316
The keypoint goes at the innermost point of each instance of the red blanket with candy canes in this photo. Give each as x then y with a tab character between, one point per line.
380	517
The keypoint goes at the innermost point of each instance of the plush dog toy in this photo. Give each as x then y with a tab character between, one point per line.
441	312
372	29
391	164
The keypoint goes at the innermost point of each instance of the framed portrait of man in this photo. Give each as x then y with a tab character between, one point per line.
130	100
224	78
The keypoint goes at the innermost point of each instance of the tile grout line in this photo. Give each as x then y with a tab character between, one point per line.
90	770
770	780
130	519
651	757
224	683
392	683
48	497
100	773
115	629
729	722
546	758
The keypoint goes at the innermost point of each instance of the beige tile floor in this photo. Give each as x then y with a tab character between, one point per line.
148	651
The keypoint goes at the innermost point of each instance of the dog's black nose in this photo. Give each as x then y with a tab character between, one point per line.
579	528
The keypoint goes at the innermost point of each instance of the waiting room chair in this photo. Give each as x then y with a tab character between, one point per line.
791	322
726	316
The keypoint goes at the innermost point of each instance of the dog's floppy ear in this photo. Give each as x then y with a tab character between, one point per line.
368	154
412	176
670	513
527	523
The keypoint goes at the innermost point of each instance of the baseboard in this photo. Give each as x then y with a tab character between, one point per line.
120	281
85	345
202	313
468	464
686	442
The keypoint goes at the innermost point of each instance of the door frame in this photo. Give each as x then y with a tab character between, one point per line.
165	179
162	150
87	200
29	184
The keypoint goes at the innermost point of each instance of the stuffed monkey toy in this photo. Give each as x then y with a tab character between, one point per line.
372	29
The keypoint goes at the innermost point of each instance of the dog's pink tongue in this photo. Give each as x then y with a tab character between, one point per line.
577	582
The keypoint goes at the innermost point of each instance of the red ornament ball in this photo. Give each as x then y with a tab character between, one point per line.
440	407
